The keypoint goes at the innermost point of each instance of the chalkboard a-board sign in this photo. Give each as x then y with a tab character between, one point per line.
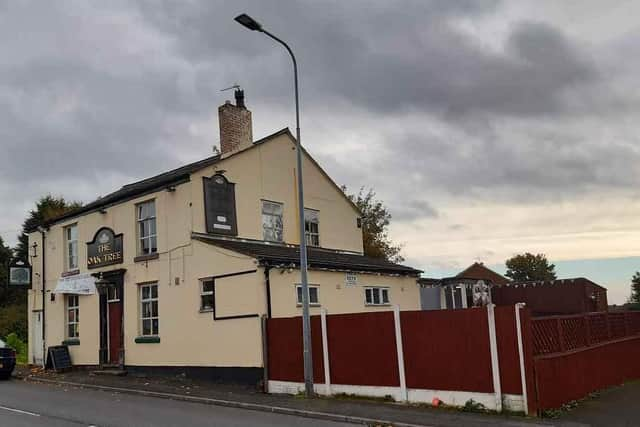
58	358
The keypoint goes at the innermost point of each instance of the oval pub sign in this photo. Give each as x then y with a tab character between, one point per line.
104	249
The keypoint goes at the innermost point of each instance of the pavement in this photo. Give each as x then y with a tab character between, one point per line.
615	407
218	404
355	411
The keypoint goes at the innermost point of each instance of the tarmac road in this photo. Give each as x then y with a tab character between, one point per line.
25	404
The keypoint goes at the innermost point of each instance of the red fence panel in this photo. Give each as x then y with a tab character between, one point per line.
285	349
447	350
564	377
362	349
507	339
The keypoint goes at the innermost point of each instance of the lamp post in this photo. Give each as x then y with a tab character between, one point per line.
253	25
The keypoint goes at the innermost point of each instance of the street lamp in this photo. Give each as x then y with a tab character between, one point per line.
250	23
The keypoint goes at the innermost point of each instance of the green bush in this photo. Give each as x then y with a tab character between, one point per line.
20	347
13	319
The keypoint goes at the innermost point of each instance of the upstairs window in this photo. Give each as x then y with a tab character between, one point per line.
272	221
71	243
313	295
376	296
147	237
312	227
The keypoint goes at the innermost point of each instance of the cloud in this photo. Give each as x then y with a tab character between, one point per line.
469	119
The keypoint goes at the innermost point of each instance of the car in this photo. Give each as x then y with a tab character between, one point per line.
7	360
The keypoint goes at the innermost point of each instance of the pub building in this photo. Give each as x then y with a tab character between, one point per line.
173	273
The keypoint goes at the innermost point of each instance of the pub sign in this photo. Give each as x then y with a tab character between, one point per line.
19	274
104	249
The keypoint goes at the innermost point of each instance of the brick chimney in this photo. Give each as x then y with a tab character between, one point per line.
235	125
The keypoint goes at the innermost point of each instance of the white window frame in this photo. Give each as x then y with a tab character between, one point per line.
312	237
73	306
270	214
204	293
150	299
299	295
381	290
141	224
71	247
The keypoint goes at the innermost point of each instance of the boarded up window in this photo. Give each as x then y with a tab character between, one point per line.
220	205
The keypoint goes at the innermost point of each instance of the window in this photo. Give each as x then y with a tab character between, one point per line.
272	221
206	295
312	227
73	316
313	295
71	240
149	309
147	236
376	296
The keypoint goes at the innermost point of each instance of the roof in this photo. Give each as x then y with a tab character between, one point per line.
150	185
478	271
277	253
575	281
173	177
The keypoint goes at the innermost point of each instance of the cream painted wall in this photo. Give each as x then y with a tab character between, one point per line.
267	171
187	336
336	297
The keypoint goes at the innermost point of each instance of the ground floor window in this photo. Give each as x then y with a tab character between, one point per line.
206	295
73	316
149	309
313	295
376	296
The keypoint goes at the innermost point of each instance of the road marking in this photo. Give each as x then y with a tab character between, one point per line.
33	414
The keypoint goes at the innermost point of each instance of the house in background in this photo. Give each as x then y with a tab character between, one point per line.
189	261
457	291
543	298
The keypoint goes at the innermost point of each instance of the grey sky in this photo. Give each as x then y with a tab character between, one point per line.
508	125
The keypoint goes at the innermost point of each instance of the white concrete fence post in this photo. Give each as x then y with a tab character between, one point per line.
403	381
495	363
325	352
523	376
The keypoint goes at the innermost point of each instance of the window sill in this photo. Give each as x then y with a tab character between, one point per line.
310	305
71	341
147	340
148	257
378	305
206	310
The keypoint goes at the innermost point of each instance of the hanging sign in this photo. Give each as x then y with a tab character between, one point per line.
19	274
104	249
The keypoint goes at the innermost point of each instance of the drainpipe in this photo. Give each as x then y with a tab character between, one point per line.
43	272
268	289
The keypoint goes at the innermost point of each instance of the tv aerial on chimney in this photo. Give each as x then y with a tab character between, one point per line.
235	86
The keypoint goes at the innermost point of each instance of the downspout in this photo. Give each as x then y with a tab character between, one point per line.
44	343
268	289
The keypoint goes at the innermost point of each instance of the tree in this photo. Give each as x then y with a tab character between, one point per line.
528	267
375	222
13	302
47	208
635	289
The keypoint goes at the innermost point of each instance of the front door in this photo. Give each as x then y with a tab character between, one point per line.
114	322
